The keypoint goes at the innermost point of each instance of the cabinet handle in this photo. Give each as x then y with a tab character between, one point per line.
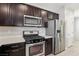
15	46
15	50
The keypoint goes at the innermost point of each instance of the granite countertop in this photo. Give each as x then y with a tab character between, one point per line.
11	39
46	36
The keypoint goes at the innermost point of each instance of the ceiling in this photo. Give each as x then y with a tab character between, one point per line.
57	5
54	7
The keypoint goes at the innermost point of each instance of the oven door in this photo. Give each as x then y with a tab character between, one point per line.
35	49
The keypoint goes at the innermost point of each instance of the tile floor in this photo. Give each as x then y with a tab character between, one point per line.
72	51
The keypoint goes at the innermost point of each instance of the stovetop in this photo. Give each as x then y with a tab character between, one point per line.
32	37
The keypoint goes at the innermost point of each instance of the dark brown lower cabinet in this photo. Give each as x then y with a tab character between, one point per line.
17	52
48	46
16	49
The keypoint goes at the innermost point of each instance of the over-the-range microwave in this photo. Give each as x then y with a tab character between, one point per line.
32	21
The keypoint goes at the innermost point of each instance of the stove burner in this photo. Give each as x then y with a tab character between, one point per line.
32	37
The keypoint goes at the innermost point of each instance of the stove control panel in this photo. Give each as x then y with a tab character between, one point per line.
34	41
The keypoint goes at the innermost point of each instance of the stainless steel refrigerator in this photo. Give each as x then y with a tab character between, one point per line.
56	30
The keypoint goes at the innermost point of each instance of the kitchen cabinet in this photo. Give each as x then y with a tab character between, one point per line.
44	17
29	10
15	49
48	46
50	16
19	10
32	11
17	14
5	15
18	49
37	12
12	14
17	52
56	16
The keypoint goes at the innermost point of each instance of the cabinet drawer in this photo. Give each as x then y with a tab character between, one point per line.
16	49
14	45
17	52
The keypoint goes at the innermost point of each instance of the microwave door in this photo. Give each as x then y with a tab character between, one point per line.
32	22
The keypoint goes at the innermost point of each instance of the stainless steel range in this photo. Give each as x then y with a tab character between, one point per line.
34	43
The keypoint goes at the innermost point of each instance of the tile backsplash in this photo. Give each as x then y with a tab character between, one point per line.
16	31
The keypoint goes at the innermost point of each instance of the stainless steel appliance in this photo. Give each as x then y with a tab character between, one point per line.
54	30
34	43
32	21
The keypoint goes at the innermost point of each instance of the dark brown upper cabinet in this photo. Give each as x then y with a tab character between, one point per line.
32	11
37	12
50	16
5	15
28	10
12	14
44	15
56	16
17	14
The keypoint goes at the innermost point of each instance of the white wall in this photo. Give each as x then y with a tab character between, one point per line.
76	29
76	24
54	7
69	27
76	12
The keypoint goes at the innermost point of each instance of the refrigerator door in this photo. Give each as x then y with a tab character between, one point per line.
57	44
57	37
55	29
62	41
59	41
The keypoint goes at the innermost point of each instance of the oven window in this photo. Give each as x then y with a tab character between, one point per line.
36	49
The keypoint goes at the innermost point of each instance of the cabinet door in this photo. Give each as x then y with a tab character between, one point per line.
18	52
36	12
15	49
50	16
56	16
28	10
48	46
44	17
17	14
4	14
